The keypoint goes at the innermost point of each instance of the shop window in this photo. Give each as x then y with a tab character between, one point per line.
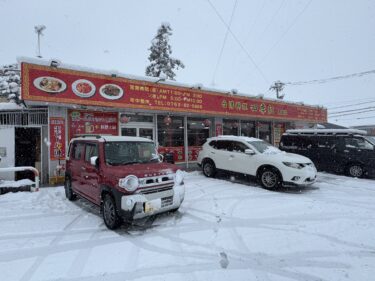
265	131
230	127
126	118
247	129
170	131
198	131
91	151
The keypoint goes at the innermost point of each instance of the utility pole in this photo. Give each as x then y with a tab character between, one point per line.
278	86
39	30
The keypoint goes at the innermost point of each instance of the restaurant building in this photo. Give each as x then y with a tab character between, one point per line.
70	101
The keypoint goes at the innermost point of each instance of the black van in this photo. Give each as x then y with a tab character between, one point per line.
346	151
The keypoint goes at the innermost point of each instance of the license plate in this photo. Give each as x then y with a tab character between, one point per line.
152	206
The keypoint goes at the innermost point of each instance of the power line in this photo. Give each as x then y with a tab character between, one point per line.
238	42
270	22
350	105
358	118
223	45
325	80
352	110
364	111
286	31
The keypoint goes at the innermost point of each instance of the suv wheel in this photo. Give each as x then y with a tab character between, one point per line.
110	216
209	168
68	190
355	170
269	178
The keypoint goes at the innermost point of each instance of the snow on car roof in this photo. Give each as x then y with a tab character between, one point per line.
243	138
104	138
326	131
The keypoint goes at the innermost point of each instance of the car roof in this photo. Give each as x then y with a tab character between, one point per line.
104	138
238	138
325	132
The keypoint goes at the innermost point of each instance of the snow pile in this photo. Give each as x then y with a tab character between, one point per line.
19	183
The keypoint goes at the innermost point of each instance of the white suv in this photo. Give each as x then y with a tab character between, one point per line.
255	157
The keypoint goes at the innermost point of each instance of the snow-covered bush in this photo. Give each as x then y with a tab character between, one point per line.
10	82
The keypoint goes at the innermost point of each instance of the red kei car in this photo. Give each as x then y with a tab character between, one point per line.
124	176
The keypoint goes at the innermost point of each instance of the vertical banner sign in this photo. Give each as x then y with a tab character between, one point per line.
57	138
219	129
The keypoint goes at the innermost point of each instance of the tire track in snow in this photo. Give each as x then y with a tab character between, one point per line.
39	260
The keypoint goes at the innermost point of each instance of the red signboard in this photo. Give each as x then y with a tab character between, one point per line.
57	138
92	123
49	84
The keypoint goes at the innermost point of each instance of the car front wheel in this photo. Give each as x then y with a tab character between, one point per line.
208	168
68	190
269	178
355	170
110	216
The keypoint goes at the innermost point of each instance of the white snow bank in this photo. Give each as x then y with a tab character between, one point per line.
19	183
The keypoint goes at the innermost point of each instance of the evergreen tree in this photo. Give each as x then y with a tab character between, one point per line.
161	62
10	82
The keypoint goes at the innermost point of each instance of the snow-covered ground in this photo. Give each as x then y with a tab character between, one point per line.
224	231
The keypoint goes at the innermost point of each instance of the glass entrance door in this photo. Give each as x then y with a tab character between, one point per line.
146	133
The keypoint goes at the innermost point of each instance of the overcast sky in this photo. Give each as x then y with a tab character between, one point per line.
285	40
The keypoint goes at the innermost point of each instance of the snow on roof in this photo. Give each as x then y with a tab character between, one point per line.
10	106
326	131
230	137
199	86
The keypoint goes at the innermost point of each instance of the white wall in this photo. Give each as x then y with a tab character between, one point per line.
7	140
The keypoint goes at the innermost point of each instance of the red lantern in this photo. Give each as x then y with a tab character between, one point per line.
124	119
167	120
207	122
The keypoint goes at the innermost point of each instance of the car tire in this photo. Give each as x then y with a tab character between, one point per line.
270	178
209	168
111	219
355	170
70	195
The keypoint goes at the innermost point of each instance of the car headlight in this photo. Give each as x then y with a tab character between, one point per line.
130	183
294	165
179	178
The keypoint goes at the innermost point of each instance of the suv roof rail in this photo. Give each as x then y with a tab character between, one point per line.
87	136
326	132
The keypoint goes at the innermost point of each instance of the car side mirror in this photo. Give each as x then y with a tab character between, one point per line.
161	157
249	151
94	161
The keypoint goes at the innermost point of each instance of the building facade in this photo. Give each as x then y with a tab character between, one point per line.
179	118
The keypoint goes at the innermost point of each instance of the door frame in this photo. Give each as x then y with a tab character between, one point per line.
137	126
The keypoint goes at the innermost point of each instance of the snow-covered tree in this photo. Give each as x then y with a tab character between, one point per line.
10	82
162	64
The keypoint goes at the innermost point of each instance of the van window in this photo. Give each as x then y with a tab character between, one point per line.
358	143
224	145
91	150
77	151
289	142
239	146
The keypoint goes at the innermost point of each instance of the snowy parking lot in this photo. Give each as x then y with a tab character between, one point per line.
226	229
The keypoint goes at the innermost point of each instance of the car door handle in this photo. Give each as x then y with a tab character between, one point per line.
231	155
212	152
83	168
